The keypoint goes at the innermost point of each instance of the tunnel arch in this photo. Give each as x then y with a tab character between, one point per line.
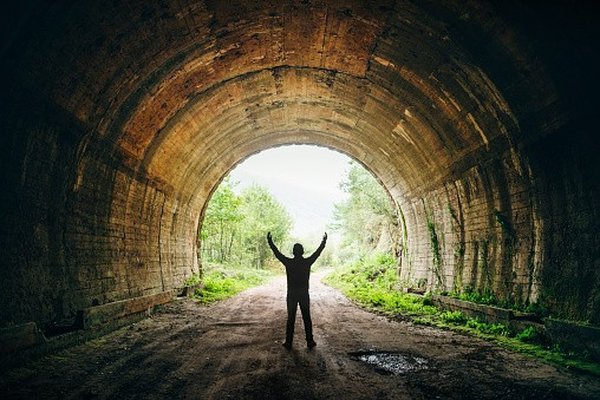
122	119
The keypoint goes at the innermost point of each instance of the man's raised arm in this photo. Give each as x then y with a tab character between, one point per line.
274	248
313	257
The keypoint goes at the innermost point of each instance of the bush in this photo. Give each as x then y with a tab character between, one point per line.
192	280
373	282
222	282
528	335
456	317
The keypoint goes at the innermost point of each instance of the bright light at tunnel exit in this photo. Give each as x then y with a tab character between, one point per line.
305	179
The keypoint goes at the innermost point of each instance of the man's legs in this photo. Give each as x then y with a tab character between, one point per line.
304	301
292	305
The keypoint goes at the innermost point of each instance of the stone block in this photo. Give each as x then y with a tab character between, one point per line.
19	337
481	311
98	315
574	337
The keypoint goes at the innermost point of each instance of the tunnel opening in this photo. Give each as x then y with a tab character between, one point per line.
296	192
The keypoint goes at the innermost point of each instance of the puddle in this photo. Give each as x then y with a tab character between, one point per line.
390	363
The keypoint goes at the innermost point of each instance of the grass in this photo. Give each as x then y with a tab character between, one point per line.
222	282
372	282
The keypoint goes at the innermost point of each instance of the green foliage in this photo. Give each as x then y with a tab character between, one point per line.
235	226
528	335
486	328
221	223
367	220
373	282
455	317
222	282
192	280
262	214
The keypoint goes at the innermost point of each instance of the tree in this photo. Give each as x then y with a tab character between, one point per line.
221	223
235	227
367	219
262	214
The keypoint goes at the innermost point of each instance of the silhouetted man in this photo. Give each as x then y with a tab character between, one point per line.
297	270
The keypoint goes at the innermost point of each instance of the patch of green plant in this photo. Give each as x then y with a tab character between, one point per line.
528	335
456	317
222	282
372	281
453	214
193	280
486	296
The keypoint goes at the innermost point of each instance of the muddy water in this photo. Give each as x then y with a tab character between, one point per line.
390	362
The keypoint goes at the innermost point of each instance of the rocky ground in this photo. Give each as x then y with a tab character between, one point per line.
232	350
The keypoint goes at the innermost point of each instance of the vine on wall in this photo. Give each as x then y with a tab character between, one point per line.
435	248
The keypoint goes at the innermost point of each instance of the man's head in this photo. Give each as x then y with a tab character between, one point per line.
298	250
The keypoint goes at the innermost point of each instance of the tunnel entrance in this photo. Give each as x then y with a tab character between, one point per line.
297	193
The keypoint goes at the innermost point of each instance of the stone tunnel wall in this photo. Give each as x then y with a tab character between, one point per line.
69	244
83	224
523	227
567	189
133	242
38	148
477	232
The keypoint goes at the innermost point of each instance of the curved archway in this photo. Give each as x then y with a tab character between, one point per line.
122	119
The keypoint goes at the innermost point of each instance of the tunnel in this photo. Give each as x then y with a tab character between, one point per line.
120	118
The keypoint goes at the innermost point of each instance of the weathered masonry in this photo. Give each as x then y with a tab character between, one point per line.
119	118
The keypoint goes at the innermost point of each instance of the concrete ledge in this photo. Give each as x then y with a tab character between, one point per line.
481	311
22	343
570	336
574	337
19	337
98	315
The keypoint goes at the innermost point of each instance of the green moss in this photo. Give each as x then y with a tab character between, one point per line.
435	249
453	215
484	266
528	335
459	251
456	317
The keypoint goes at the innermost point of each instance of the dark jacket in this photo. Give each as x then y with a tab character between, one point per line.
297	269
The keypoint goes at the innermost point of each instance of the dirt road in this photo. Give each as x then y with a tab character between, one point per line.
232	350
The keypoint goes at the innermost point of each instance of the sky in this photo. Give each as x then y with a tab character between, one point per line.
305	179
